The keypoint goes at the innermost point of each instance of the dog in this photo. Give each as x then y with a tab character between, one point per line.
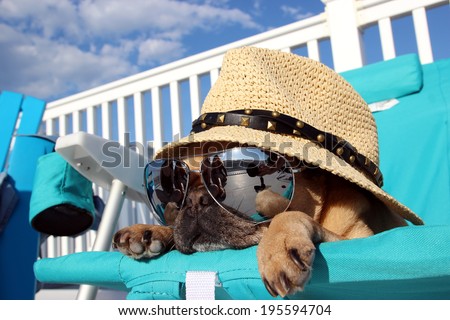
305	111
324	208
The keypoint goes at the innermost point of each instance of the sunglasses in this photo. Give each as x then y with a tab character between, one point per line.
232	177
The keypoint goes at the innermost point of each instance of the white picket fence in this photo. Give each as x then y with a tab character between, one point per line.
141	104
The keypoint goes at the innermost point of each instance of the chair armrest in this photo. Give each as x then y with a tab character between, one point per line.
95	268
102	161
402	263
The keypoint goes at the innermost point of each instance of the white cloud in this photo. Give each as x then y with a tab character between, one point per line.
160	50
44	68
48	18
51	48
296	12
257	8
111	17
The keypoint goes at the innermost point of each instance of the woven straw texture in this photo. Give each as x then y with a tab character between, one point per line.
255	78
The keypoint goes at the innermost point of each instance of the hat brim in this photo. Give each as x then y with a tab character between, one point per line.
303	149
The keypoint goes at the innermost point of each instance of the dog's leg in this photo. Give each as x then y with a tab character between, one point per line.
143	240
287	249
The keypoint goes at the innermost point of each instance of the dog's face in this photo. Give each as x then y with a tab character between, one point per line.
203	225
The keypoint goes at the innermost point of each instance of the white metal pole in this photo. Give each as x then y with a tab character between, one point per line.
345	36
139	119
214	75
122	121
157	118
194	89
105	231
422	35
106	120
387	38
175	109
313	49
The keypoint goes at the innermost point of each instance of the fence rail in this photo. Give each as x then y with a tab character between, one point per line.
160	104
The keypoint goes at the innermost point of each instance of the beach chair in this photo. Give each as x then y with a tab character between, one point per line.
20	118
405	263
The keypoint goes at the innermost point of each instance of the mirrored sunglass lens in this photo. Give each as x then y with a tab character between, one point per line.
166	181
235	176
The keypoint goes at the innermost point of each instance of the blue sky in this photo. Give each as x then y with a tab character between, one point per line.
54	48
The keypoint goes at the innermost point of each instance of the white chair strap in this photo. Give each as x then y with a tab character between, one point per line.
200	285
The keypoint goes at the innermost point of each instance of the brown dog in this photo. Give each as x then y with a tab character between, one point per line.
299	108
324	208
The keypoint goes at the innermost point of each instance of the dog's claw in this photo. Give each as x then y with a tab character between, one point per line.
269	288
295	256
299	262
285	283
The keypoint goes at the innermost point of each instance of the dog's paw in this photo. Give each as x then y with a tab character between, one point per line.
286	252
269	203
143	240
285	263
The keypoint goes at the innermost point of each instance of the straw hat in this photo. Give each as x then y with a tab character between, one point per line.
295	106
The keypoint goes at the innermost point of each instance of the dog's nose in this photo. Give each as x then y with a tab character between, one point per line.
198	196
206	200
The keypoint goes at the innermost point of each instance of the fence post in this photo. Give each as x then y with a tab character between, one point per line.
346	42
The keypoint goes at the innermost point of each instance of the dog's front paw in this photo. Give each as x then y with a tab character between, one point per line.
143	240
286	253
285	263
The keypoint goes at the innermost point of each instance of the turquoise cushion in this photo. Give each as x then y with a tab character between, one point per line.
387	79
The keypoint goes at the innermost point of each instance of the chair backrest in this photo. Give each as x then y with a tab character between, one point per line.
15	107
414	135
20	119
